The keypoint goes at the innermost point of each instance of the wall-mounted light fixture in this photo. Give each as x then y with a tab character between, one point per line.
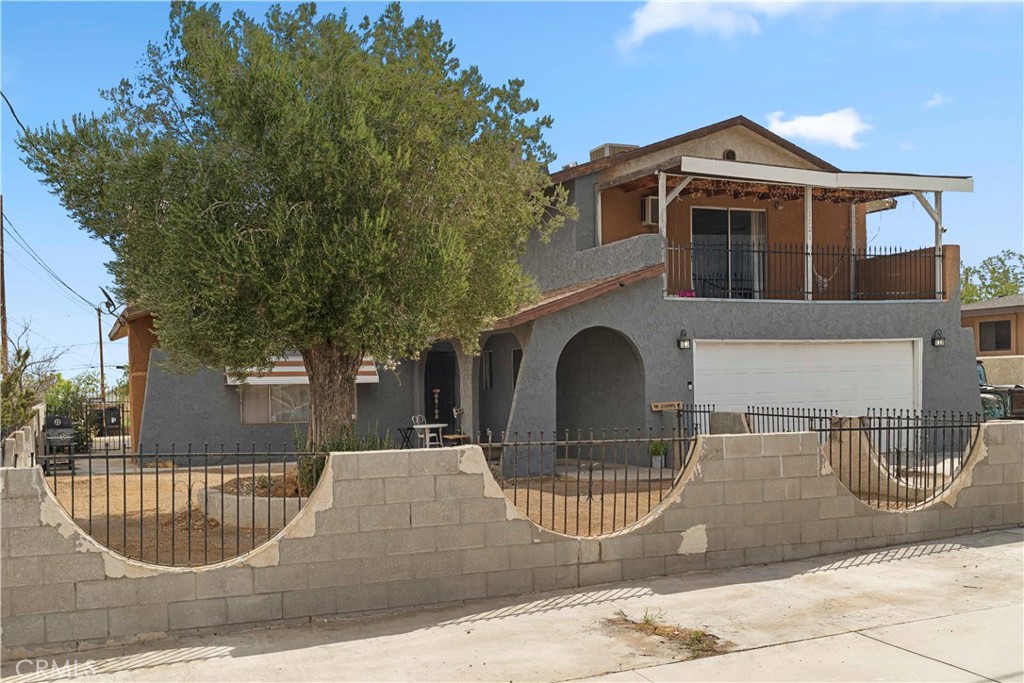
683	341
938	339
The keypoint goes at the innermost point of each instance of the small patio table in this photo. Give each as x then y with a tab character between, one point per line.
425	429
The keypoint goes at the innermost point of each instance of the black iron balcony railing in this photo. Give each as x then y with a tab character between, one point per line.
775	271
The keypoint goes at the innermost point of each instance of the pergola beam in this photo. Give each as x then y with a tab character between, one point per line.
780	175
678	189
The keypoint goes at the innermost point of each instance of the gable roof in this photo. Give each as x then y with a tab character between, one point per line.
1011	301
607	162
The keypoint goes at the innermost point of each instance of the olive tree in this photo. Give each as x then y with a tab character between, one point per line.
300	183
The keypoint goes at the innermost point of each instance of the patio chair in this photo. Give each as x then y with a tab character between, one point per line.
458	438
428	438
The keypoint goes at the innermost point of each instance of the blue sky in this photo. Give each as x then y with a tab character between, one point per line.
907	87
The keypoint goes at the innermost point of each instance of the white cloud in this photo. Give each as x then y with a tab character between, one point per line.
839	128
907	146
937	99
726	19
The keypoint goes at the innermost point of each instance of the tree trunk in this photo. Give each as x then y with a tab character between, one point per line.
332	376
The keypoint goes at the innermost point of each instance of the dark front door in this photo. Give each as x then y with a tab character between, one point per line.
441	388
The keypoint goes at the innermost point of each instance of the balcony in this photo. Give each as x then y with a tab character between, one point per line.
746	270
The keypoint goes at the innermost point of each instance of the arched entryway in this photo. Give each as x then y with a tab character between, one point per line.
500	359
441	384
599	383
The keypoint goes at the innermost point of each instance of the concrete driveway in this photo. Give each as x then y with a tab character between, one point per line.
947	610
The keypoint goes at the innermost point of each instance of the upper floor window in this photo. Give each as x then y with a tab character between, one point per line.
995	335
729	155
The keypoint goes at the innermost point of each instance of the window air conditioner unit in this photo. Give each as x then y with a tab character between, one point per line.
649	210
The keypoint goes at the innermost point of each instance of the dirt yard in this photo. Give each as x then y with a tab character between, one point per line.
581	508
157	515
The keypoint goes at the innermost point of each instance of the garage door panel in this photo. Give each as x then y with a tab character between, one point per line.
847	376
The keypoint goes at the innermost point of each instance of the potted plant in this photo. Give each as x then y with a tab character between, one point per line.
658	451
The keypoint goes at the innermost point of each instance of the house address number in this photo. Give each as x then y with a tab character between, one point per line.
666	405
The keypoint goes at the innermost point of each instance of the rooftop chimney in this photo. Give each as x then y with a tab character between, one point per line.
609	149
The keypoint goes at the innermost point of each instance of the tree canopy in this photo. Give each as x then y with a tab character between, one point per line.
300	183
996	276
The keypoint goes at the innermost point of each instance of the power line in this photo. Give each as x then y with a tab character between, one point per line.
49	283
23	243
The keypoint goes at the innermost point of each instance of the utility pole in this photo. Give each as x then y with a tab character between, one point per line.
3	289
103	386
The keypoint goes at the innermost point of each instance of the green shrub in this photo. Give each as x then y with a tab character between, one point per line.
311	467
658	448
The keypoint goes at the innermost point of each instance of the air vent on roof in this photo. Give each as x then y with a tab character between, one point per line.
609	149
571	164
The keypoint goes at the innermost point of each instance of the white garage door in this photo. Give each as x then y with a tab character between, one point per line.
849	376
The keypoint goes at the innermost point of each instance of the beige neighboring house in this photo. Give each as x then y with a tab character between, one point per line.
998	326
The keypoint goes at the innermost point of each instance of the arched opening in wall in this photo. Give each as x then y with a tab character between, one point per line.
599	384
500	359
441	385
602	471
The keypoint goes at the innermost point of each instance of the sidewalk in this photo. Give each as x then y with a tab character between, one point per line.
948	610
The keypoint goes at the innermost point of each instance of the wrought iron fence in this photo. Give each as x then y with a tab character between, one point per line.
593	482
891	459
183	506
108	425
777	271
768	419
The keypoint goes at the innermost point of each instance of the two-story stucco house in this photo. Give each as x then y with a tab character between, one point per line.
725	265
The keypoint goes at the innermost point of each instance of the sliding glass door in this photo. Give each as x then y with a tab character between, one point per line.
727	253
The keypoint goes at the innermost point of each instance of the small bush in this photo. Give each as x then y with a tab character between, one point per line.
311	467
658	448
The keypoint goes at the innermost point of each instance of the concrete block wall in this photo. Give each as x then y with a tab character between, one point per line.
397	529
21	446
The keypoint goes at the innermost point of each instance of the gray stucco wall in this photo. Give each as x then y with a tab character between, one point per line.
387	406
599	384
496	402
201	409
652	323
570	257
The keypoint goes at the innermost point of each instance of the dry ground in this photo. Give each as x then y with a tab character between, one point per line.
161	507
583	508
